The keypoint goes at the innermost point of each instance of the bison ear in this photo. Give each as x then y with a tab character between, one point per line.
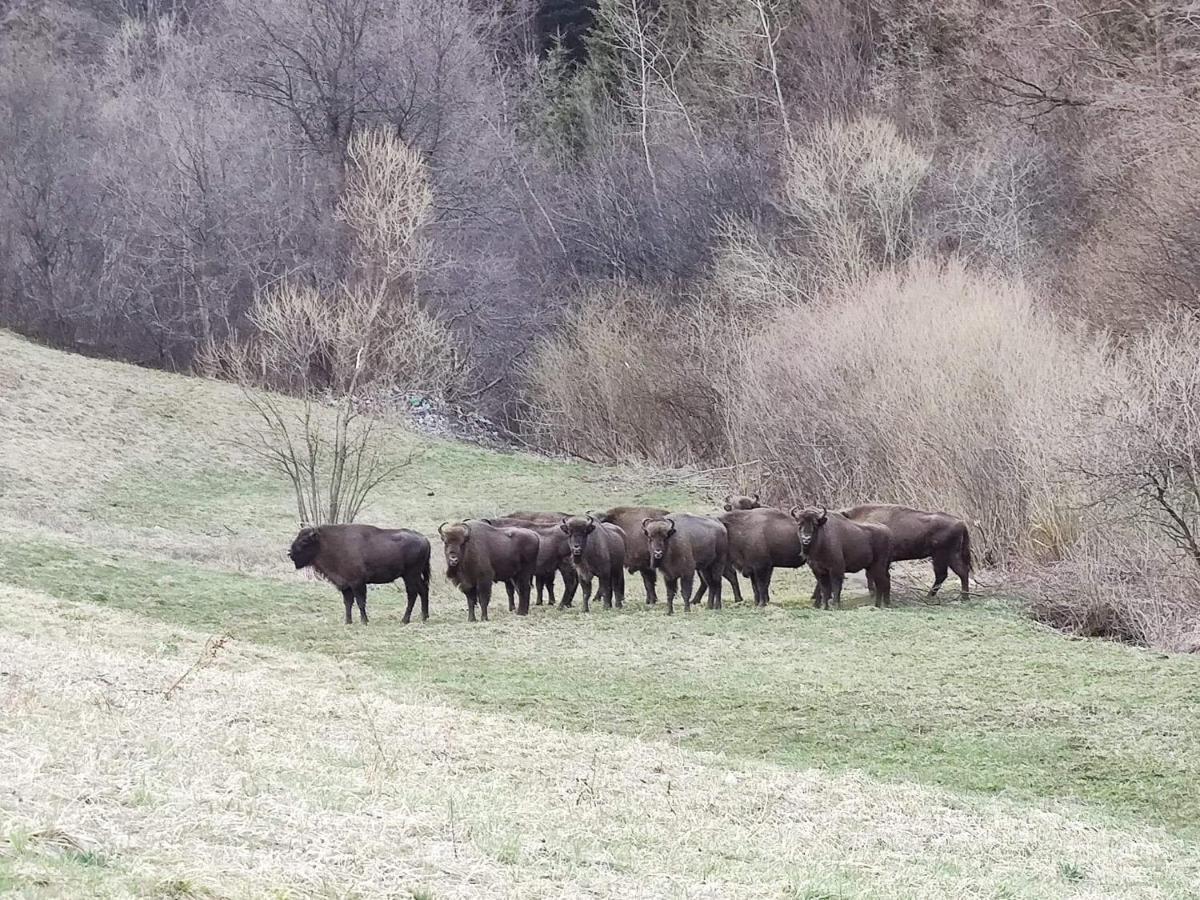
591	526
756	500
728	508
824	516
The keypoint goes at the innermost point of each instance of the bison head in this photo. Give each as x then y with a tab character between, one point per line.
658	532
809	522
741	501
577	529
305	547
454	542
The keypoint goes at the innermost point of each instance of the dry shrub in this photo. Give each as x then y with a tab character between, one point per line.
852	184
932	386
1124	590
633	375
370	329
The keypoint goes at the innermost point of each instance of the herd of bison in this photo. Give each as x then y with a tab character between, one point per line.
748	539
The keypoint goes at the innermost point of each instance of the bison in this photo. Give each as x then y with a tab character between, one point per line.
941	537
352	556
597	549
553	556
835	545
637	552
683	546
478	555
741	501
761	540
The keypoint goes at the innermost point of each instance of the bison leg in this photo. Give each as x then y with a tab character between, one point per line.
939	573
424	600
700	592
962	570
824	589
618	586
360	594
485	598
881	581
764	581
472	599
512	604
524	589
412	589
570	584
606	592
348	599
715	588
586	585
835	580
648	578
686	590
672	588
731	577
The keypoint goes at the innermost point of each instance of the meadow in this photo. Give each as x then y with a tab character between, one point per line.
182	715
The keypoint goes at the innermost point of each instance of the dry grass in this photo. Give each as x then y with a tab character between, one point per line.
383	792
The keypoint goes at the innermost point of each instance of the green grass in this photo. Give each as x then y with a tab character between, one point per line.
969	698
129	490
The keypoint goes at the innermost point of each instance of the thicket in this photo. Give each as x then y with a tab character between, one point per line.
929	252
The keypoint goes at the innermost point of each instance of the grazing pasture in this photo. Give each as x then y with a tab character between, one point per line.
183	715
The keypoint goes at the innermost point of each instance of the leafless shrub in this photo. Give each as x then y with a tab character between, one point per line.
1123	590
1149	459
931	386
633	375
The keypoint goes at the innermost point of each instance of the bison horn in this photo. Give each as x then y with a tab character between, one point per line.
442	527
756	498
644	521
672	531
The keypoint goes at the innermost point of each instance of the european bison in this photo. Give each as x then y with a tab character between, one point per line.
835	545
553	556
683	546
923	535
741	501
478	555
637	552
761	540
352	556
597	549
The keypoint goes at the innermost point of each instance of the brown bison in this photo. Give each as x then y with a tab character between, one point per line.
637	551
761	540
741	501
835	545
553	556
478	555
941	537
683	546
352	556
597	550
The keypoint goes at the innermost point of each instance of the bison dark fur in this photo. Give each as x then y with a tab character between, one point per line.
478	555
741	501
352	556
760	541
937	536
597	549
835	545
637	552
683	546
553	556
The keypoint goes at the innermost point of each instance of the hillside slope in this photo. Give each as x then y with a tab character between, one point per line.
922	751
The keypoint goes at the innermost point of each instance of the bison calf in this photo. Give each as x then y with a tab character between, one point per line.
352	556
597	550
684	546
478	555
835	545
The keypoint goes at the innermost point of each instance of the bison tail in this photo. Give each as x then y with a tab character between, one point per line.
425	574
966	548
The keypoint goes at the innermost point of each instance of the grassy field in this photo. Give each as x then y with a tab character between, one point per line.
181	715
